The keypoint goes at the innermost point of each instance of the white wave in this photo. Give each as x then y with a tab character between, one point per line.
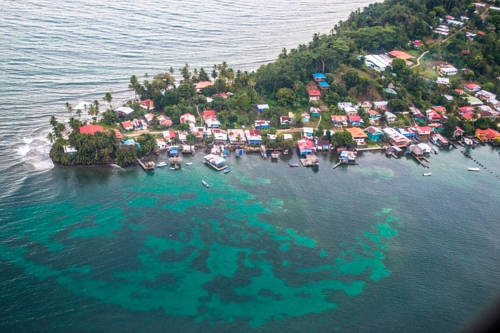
34	152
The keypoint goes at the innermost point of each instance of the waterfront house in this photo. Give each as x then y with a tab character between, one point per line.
339	120
306	117
220	135
408	132
390	117
308	131
447	69
423	133
253	136
262	124
199	86
236	136
306	147
161	144
314	95
127	125
188	118
458	133
374	133
91	129
487	134
164	120
396	138
147	104
284	121
348	156
262	107
198	132
415	150
472	87
323	145
319	77
149	118
169	135
315	112
70	150
124	111
355	120
357	134
426	149
210	119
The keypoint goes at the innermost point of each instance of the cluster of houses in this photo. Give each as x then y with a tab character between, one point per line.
374	110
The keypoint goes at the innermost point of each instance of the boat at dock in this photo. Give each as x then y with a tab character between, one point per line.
216	162
275	155
227	170
205	183
427	174
162	165
189	163
293	165
474	169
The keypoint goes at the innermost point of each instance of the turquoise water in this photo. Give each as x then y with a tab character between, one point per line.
374	247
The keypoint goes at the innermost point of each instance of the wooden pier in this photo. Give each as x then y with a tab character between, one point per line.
146	166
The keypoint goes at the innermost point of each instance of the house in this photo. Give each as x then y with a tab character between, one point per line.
357	134
417	44
147	104
472	87
164	120
210	119
284	121
253	136
306	117
323	85
161	143
408	132
448	98
308	131
418	115
460	92
365	105
433	116
487	134
118	134
355	120
343	105
127	125
447	69
415	150
390	117
149	118
182	136
124	111
378	62
350	111
474	101
374	133
443	81
188	118
372	114
486	96
314	95
458	133
220	135
306	147
199	86
380	105
323	145
467	115
396	138
262	124
168	135
440	109
198	132
423	133
91	129
487	112
315	112
131	142
70	150
401	55
236	136
319	77
287	136
262	107
339	120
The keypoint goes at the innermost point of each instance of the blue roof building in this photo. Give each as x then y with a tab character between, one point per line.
319	77
324	85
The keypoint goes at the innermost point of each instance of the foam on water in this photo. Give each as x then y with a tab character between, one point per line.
34	151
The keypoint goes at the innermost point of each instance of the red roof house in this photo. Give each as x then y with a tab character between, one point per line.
127	125
401	55
147	104
91	129
466	109
487	134
440	109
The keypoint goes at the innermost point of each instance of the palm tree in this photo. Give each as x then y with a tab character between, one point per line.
78	112
108	97
69	108
51	137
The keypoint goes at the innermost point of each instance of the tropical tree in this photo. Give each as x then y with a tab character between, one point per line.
69	108
108	97
51	137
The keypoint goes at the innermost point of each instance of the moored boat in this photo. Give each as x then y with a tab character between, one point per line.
427	174
205	183
227	170
293	165
474	169
162	164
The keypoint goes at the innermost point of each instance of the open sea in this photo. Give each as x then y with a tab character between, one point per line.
267	248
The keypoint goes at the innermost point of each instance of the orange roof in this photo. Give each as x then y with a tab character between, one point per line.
487	134
91	129
118	134
357	132
401	55
148	103
314	93
204	84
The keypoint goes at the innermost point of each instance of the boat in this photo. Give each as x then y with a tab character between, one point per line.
189	163
162	164
275	155
436	151
293	165
473	169
205	183
227	170
427	174
172	168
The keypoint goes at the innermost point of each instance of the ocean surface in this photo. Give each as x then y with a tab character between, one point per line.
267	248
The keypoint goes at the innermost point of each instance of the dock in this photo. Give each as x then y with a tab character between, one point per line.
146	166
310	160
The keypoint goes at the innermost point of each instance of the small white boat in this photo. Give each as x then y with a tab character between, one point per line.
473	169
161	164
189	163
227	170
205	183
427	174
172	168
